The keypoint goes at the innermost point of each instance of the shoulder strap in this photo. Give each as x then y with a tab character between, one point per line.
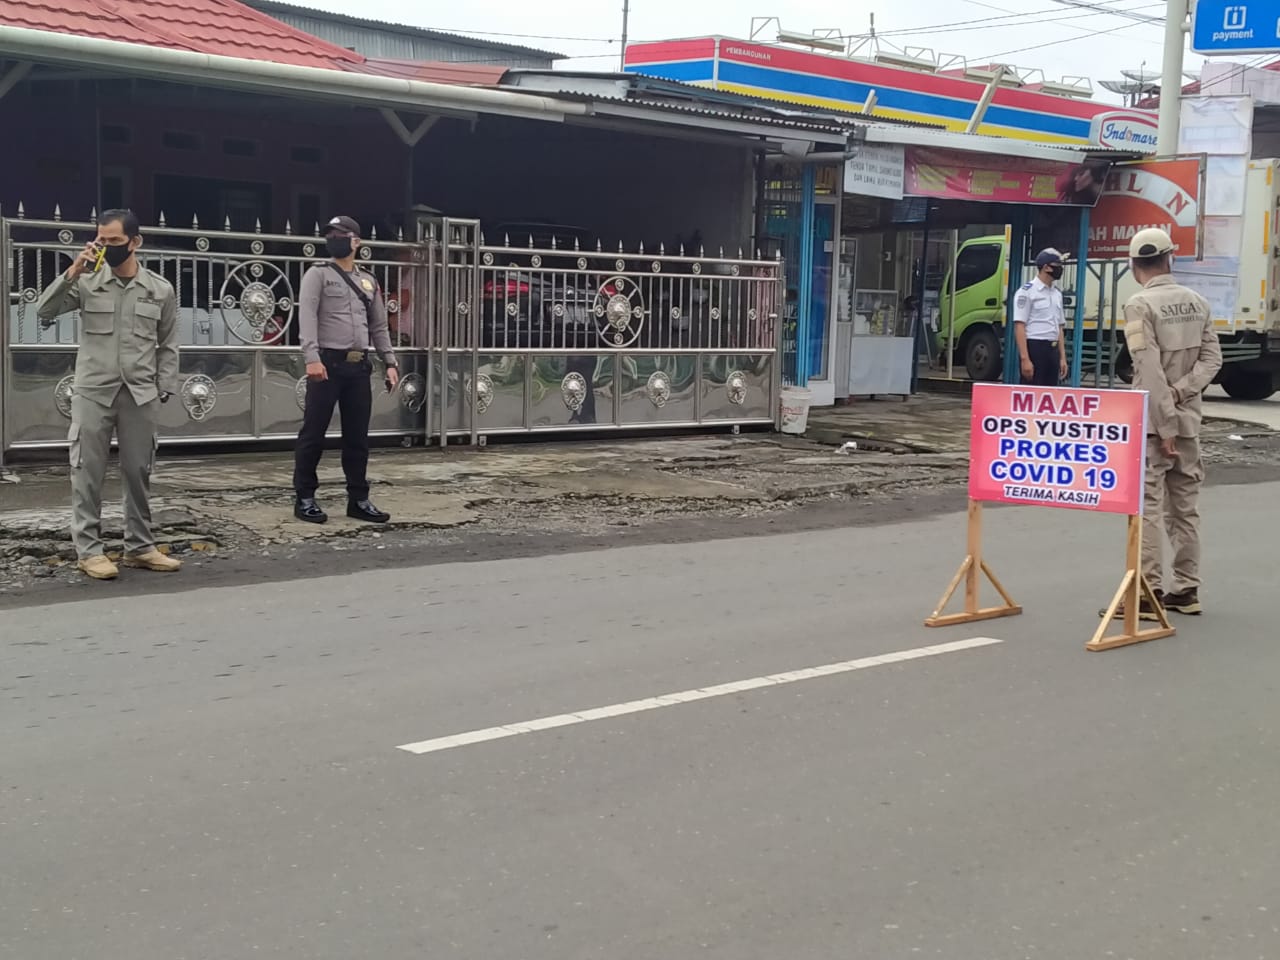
368	304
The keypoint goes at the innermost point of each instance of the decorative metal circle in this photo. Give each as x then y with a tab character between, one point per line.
308	249
202	244
228	302
63	391
637	312
557	310
619	310
659	388
657	267
413	391
697	268
582	263
535	260
675	313
619	339
300	393
512	308
483	397
463	308
366	253
735	269
285	304
65	236
257	247
199	396
30	295
619	283
487	259
751	314
573	390
620	265
736	386
715	313
256	269
393	305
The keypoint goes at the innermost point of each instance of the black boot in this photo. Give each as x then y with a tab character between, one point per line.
365	510
306	509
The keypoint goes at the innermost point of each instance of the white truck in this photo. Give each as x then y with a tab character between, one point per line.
1250	335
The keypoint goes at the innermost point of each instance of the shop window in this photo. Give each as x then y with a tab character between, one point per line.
976	264
179	140
235	147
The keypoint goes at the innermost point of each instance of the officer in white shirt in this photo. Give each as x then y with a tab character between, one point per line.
1038	319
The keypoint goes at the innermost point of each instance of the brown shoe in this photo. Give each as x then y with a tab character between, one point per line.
152	560
99	568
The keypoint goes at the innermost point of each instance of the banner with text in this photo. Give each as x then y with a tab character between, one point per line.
957	175
1058	447
1149	193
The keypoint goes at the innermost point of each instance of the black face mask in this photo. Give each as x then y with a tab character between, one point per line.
117	255
1055	271
339	247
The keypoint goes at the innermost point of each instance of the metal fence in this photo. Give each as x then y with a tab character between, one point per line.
492	338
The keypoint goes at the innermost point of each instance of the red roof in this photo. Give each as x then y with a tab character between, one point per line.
222	27
458	74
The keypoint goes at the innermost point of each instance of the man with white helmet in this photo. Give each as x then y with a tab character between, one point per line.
1169	332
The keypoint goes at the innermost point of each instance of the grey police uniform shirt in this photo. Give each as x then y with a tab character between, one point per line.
128	333
1040	308
332	317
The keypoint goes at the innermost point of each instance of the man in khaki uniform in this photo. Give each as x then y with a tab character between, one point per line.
126	365
1169	333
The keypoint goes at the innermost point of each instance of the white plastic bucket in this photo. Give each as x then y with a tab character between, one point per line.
795	409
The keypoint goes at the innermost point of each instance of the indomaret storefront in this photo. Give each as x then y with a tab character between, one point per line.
954	97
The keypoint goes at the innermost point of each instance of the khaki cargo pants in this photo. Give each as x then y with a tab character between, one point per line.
1172	505
92	425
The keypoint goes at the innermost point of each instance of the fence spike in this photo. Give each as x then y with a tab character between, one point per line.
662	249
195	222
553	242
682	249
226	224
531	241
317	228
22	213
506	239
740	256
577	245
400	234
642	248
373	233
599	246
162	220
620	250
702	251
57	211
431	234
288	228
93	214
722	253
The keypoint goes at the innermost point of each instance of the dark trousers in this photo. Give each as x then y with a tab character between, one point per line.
349	389
1044	357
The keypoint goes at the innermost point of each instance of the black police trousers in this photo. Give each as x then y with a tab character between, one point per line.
348	388
1044	358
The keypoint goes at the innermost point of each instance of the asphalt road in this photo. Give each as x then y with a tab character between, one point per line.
215	774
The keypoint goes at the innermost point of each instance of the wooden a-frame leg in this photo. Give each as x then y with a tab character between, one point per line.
971	571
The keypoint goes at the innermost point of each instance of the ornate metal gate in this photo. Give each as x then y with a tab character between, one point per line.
492	339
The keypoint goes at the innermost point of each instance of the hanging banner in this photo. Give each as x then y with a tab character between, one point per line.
1058	447
957	175
1148	193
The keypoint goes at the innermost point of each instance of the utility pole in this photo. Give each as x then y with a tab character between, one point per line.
1175	42
626	15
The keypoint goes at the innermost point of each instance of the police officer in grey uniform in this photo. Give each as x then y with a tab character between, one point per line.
1038	318
126	365
341	313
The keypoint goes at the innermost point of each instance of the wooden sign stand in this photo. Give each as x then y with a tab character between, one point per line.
1133	588
969	572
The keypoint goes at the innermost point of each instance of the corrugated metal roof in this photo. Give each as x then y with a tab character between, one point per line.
458	74
276	7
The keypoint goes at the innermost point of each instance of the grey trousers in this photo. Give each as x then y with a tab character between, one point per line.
91	427
1171	505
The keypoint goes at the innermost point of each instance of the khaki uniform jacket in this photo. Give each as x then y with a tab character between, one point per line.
1169	332
128	332
332	317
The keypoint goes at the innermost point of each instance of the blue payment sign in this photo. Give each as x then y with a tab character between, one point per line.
1229	26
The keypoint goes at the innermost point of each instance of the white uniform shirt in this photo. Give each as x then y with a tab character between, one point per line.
1040	308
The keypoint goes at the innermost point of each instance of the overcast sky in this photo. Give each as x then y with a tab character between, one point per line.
1046	34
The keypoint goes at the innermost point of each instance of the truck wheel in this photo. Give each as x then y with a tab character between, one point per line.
1248	384
982	355
1124	367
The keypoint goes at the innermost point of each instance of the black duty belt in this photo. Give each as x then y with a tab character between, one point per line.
344	356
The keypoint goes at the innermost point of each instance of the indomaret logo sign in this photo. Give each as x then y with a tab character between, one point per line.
1125	130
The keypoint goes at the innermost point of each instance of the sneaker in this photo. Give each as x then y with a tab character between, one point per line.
98	568
152	560
1186	602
